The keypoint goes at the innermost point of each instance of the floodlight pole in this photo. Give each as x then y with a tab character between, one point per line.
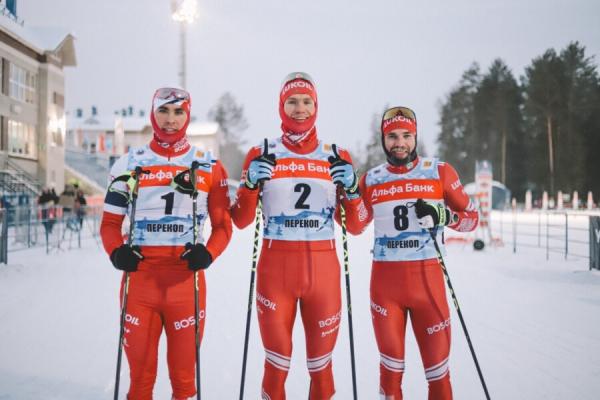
182	59
184	12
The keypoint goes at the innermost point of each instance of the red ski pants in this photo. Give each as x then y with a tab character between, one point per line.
411	289
308	274
157	300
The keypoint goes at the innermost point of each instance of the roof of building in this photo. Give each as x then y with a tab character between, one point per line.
92	123
107	123
54	40
131	123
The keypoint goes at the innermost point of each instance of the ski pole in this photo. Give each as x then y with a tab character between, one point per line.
134	195
252	274
195	165
432	233
348	297
334	161
251	290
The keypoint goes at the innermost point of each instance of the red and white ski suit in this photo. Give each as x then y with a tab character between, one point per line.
406	278
298	263
161	291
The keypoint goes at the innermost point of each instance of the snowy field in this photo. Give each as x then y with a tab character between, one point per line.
535	325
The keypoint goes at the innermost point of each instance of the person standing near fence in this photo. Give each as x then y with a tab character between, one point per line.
406	198
67	199
80	206
47	202
163	259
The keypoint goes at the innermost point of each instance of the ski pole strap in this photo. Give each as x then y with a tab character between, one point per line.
442	214
185	181
257	228
130	179
193	178
134	183
344	237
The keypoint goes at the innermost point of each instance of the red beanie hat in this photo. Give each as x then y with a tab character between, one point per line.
399	118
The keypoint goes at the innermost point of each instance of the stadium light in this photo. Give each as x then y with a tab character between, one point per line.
184	12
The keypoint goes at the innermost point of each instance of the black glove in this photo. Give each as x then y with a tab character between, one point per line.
197	256
126	257
432	215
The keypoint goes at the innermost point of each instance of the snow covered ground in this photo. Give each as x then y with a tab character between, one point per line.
535	325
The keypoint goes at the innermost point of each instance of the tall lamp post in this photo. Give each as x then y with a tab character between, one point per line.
184	12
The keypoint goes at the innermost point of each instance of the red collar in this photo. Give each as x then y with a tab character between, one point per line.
306	146
402	169
173	150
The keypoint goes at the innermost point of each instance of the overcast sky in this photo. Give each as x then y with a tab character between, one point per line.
362	54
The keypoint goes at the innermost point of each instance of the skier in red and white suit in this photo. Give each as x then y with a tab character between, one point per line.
406	197
298	264
162	258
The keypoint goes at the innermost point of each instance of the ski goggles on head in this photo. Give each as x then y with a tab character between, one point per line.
168	95
297	83
399	118
297	75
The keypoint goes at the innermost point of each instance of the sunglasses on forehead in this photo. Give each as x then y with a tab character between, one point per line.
297	75
399	111
172	94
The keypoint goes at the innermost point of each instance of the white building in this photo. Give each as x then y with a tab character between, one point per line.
32	100
115	134
94	142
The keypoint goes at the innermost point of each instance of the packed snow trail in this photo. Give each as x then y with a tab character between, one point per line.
534	324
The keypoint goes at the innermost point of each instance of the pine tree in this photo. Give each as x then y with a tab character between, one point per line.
542	103
539	135
577	118
458	139
499	126
561	112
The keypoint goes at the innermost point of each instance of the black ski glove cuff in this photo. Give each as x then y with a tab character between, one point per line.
126	258
439	214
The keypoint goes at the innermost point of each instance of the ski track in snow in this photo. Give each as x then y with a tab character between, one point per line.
534	324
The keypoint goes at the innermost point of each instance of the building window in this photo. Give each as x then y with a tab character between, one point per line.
21	139
22	84
58	99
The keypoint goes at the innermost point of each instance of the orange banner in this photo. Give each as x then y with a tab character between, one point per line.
162	175
301	168
407	189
